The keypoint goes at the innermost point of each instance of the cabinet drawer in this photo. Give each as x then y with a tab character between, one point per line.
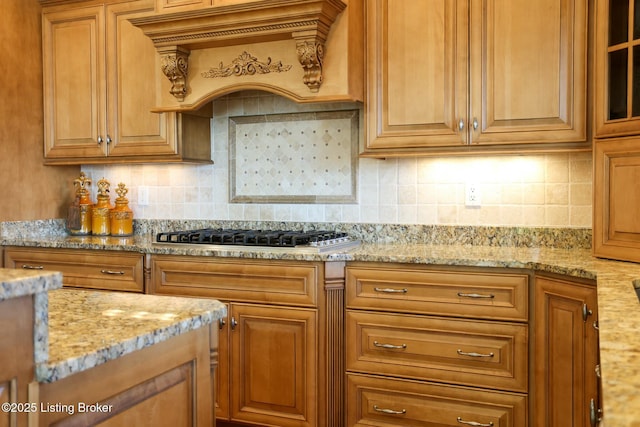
373	401
108	270
468	352
412	289
270	281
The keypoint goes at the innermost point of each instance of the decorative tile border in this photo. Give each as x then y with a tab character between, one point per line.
294	158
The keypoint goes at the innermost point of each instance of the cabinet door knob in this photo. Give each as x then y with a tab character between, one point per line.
586	312
99	140
221	323
234	323
108	139
461	125
475	123
594	414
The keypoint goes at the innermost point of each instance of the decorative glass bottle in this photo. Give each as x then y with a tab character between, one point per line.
79	216
121	215
101	221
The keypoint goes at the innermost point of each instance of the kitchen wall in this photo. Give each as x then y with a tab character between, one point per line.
28	189
538	190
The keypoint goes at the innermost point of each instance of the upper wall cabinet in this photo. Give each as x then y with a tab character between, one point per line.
306	50
617	69
451	76
100	87
616	153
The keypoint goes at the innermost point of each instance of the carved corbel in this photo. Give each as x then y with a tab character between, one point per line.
310	54
175	65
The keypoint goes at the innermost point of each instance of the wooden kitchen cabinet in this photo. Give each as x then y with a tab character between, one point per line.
281	340
376	401
462	76
82	268
616	153
100	77
420	338
617	64
17	365
565	353
616	195
166	384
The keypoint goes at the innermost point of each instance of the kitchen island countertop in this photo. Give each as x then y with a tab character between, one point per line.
88	328
76	330
618	305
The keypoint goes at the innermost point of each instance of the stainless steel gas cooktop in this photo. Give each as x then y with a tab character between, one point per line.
312	241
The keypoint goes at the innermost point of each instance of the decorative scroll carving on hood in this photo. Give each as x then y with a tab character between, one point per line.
306	21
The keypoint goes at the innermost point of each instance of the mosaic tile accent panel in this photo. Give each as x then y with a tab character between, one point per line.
294	158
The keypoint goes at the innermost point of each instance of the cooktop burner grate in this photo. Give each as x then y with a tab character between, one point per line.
270	238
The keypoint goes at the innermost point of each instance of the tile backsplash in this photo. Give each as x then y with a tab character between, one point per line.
550	190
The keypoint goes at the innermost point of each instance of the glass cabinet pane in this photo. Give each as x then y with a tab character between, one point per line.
618	21
618	84
636	19
635	83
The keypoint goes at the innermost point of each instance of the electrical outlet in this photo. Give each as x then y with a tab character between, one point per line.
472	195
143	195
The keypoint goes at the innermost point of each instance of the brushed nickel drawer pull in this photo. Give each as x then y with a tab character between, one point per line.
389	411
390	346
32	267
112	272
391	291
464	295
474	423
473	354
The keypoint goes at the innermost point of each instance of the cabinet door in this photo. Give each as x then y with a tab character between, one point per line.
133	71
616	224
617	68
528	71
273	365
565	352
74	83
416	73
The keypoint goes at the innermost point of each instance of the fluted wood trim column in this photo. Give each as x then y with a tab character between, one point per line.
335	368
213	361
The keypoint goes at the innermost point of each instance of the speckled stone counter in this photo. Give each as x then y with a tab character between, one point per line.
88	328
17	283
618	305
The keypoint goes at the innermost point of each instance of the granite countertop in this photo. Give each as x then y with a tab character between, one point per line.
17	283
618	305
88	328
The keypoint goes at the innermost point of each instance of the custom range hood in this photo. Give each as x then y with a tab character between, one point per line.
306	50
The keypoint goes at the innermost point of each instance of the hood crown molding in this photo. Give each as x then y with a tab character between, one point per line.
306	21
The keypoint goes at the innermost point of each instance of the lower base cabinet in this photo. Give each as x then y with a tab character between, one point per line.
436	346
376	401
282	343
83	268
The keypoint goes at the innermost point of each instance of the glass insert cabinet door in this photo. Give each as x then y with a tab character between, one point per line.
617	68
